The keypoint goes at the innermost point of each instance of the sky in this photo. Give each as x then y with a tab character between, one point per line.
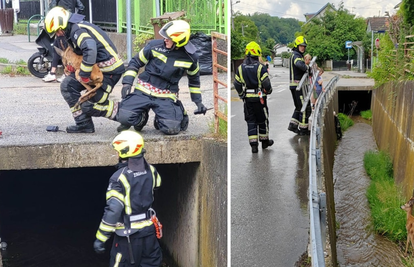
296	8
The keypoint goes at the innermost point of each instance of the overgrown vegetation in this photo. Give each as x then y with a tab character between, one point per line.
366	114
222	130
18	68
345	121
326	36
384	197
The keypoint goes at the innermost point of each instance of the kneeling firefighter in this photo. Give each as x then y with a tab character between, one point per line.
128	210
253	85
165	63
95	46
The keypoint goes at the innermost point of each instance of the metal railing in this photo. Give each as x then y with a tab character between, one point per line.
307	83
215	51
317	196
41	18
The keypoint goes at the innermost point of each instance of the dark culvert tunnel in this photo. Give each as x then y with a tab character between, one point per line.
50	217
353	102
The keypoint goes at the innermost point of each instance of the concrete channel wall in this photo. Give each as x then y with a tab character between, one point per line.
196	232
328	147
191	203
393	126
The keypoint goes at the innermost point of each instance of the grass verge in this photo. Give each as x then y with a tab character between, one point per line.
385	197
367	114
345	121
222	129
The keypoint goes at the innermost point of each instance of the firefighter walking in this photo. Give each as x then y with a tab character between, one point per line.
252	83
95	46
299	121
128	211
165	61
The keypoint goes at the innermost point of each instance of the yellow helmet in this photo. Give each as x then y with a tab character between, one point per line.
177	31
57	18
300	40
253	49
128	144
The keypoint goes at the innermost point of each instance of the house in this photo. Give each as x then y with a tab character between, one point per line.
377	24
280	48
320	13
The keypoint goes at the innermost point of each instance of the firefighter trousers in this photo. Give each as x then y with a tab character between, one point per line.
98	105
146	251
299	119
256	115
169	113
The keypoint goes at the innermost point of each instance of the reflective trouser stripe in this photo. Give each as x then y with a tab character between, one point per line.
118	258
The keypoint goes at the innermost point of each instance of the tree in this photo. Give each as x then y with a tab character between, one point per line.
327	36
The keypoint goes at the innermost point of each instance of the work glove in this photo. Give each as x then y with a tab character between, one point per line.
85	79
70	68
126	90
201	109
99	246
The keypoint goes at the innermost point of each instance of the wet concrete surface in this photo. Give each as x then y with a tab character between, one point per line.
357	244
269	213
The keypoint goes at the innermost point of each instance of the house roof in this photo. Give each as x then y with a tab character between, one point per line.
309	16
377	24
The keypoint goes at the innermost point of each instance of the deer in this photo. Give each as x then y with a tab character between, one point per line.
70	58
408	207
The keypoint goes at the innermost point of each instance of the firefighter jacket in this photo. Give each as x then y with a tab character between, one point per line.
252	79
95	46
297	67
128	199
165	67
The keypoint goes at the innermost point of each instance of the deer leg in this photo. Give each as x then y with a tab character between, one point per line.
89	94
408	242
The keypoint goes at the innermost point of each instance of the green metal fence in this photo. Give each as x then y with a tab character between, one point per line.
204	15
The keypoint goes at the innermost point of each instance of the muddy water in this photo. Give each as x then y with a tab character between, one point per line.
357	245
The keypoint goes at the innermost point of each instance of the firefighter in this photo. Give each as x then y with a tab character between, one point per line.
299	121
253	85
165	63
128	211
96	47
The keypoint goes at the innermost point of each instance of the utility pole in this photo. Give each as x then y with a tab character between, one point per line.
231	12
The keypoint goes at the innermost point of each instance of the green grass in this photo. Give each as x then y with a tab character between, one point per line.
222	130
384	197
345	121
367	114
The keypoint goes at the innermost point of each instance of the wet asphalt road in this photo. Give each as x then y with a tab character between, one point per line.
269	214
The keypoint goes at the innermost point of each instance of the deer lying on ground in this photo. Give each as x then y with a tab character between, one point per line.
70	58
408	207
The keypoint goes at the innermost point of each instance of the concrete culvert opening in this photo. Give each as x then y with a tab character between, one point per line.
50	217
353	102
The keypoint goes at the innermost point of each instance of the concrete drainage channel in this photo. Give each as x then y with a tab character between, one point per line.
50	216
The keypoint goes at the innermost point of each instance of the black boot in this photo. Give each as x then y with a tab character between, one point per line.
255	148
82	127
142	121
304	131
267	143
122	127
293	128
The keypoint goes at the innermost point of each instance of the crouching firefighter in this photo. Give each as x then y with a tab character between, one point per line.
95	46
128	211
253	85
165	63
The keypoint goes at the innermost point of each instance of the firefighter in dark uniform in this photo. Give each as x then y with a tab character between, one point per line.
299	121
95	46
165	61
253	85
128	211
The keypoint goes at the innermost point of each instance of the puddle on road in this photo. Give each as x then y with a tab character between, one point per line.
357	245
